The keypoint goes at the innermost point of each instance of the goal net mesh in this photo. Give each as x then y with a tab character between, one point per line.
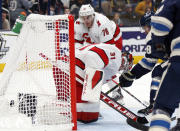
38	79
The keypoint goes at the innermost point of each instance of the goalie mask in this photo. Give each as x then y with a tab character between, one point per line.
127	61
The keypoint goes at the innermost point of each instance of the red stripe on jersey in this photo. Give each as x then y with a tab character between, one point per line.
96	78
110	41
117	31
80	64
118	42
102	54
78	41
79	77
86	46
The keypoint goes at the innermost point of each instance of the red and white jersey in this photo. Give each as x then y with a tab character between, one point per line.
103	30
103	57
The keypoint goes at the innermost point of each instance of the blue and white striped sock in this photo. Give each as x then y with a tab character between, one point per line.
160	122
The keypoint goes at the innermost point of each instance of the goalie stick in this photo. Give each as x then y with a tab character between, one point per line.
135	120
131	122
109	91
54	63
118	85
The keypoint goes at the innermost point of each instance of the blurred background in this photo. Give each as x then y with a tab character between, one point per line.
126	13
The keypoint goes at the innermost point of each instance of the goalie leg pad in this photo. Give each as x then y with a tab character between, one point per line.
79	89
92	85
86	111
87	117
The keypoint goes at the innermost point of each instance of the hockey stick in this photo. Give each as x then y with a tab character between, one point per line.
135	120
109	91
135	125
54	63
172	119
129	93
117	84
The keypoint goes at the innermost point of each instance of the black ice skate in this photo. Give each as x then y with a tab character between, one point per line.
146	111
177	126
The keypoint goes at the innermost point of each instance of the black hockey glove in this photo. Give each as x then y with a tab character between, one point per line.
157	51
126	79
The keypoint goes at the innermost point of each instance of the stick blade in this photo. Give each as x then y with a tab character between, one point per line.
137	125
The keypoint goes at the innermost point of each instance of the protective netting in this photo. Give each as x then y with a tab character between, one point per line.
39	88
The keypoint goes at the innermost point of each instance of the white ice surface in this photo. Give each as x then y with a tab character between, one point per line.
112	120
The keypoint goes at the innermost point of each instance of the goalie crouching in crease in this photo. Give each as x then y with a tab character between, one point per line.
95	65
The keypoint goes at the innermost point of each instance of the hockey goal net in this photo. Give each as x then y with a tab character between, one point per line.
38	82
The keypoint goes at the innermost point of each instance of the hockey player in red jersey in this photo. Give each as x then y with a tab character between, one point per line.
95	65
92	27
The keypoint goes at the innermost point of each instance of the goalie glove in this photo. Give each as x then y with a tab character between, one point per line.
126	79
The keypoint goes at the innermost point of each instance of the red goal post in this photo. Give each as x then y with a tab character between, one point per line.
38	81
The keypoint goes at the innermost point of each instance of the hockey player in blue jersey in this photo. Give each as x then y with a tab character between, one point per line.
145	66
166	29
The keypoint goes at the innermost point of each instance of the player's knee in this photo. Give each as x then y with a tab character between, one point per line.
87	117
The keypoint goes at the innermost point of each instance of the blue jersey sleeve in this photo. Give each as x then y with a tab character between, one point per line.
143	67
162	21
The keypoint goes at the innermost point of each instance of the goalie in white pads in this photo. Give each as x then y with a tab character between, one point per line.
92	27
95	65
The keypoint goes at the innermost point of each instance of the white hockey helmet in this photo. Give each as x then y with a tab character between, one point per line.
86	10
